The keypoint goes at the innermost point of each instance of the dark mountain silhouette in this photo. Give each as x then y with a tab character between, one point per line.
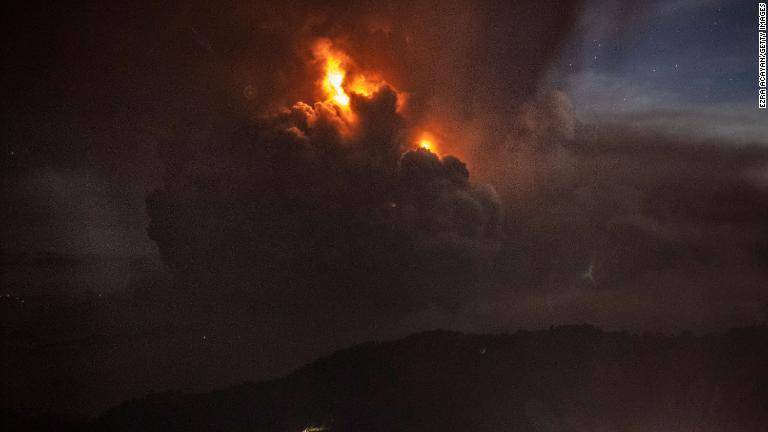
570	378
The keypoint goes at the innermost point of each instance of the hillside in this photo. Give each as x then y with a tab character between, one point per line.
572	378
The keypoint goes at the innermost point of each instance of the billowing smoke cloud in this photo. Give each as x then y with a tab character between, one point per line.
306	206
299	203
634	231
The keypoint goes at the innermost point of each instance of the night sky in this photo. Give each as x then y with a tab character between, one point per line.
684	67
179	213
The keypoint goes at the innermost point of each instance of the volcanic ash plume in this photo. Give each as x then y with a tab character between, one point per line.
330	204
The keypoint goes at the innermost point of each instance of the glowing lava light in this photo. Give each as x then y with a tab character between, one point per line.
333	81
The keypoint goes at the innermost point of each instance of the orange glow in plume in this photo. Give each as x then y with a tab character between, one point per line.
362	86
427	141
337	83
333	81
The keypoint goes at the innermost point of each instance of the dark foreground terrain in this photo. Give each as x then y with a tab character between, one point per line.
573	378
